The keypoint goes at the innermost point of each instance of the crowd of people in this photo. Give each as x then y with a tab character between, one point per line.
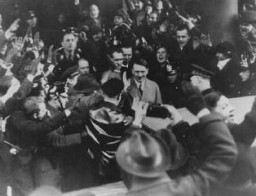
72	110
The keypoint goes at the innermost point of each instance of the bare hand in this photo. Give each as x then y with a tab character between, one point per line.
174	114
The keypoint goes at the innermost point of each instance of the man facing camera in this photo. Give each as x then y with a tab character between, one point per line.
140	86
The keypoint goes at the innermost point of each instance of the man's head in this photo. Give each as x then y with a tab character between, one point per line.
117	57
152	18
96	33
143	157
159	4
31	18
140	69
221	104
127	52
83	66
94	11
112	89
161	54
247	23
182	35
224	50
69	42
200	77
138	4
35	107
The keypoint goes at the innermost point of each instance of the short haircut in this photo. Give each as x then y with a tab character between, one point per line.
113	50
182	27
212	99
140	61
113	87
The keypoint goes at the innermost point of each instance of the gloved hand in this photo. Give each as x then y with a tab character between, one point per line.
194	99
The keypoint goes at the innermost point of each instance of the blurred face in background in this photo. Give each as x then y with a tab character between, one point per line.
127	53
118	59
148	9
94	11
159	5
245	29
138	5
245	75
118	20
152	18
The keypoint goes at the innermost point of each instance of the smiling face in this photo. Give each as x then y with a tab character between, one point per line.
139	72
161	55
245	29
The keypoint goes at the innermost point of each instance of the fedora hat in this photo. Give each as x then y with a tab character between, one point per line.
143	155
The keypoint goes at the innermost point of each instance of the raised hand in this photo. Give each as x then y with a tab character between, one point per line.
11	30
50	54
18	43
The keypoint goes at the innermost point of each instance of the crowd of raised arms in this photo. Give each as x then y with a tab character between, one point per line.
85	105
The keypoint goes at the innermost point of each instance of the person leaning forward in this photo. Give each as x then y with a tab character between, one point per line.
144	160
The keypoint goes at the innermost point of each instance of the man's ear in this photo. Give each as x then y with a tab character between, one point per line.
147	72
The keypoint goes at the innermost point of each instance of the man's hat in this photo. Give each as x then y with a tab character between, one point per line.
248	16
143	155
71	30
225	48
200	71
86	84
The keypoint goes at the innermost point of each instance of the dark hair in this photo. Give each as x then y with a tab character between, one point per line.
114	49
182	27
140	61
113	87
212	99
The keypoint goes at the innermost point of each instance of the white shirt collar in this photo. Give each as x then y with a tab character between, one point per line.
223	63
138	84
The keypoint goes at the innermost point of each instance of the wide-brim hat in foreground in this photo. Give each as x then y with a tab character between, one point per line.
142	155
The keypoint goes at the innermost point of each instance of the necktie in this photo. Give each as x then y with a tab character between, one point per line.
140	89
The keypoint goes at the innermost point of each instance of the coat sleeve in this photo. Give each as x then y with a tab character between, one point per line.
60	140
245	132
36	129
219	161
158	95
